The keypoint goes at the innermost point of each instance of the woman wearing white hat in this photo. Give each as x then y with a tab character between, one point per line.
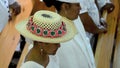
5	12
77	52
47	29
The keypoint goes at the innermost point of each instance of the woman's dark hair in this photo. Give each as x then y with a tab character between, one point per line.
55	3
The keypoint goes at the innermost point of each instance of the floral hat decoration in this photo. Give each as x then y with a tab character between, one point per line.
47	26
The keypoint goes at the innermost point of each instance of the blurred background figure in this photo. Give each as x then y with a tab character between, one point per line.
8	7
91	19
74	53
91	16
5	15
105	5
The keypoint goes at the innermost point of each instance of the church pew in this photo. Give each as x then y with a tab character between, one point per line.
105	42
116	62
10	37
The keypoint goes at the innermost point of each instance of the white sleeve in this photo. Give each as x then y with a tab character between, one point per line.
11	1
101	3
84	7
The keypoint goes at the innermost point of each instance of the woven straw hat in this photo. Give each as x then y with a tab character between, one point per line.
47	26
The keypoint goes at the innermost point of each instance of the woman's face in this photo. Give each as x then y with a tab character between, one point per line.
73	11
49	48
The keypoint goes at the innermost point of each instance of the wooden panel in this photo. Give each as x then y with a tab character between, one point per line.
106	41
24	53
10	37
116	62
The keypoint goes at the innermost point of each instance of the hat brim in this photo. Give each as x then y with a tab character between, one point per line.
71	31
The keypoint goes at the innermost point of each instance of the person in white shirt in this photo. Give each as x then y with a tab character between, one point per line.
91	19
92	10
5	15
76	53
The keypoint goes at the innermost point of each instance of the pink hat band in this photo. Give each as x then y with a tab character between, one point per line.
44	32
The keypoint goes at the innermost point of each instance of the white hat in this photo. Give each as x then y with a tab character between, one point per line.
70	1
47	26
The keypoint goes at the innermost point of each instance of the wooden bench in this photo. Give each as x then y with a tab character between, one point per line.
24	53
10	37
116	62
104	50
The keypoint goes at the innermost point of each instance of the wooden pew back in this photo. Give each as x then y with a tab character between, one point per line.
10	37
105	42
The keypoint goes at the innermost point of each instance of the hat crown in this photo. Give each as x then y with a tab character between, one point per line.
45	20
46	24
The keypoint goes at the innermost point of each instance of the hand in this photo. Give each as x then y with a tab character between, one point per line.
16	8
109	7
103	29
103	22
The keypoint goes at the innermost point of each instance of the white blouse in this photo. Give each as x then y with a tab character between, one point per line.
53	62
76	53
31	64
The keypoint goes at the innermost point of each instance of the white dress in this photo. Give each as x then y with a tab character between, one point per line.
76	53
4	12
32	64
53	62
